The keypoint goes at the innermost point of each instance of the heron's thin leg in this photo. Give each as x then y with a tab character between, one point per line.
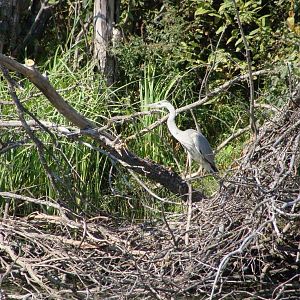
186	165
190	164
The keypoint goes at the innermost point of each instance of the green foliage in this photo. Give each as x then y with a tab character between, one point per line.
181	36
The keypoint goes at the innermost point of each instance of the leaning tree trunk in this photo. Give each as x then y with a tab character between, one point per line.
106	14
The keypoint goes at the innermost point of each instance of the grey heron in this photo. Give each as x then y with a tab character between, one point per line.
194	142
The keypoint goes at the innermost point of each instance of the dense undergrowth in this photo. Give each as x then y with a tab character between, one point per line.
178	51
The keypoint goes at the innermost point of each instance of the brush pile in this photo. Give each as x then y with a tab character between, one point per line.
243	243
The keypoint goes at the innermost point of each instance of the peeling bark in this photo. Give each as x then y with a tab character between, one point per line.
105	18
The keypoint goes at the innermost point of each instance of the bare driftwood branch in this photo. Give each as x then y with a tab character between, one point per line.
30	199
35	125
115	147
249	63
234	135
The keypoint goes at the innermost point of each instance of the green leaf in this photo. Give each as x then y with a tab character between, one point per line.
239	41
214	14
230	39
221	29
202	11
253	32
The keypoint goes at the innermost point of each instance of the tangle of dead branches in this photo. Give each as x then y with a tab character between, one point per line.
244	242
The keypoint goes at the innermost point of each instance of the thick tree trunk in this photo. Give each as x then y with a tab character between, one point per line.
106	13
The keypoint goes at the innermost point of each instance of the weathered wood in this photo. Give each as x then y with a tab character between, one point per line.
105	17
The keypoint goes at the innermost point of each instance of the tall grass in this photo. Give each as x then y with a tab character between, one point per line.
154	88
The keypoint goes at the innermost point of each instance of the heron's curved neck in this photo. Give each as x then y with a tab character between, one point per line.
171	121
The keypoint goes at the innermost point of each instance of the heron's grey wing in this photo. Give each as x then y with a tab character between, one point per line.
204	148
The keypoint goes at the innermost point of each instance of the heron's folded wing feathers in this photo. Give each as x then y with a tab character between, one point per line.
204	148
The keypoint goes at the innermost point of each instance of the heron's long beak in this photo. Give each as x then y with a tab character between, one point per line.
153	107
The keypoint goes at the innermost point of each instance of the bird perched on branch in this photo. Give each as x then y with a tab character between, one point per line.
194	142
